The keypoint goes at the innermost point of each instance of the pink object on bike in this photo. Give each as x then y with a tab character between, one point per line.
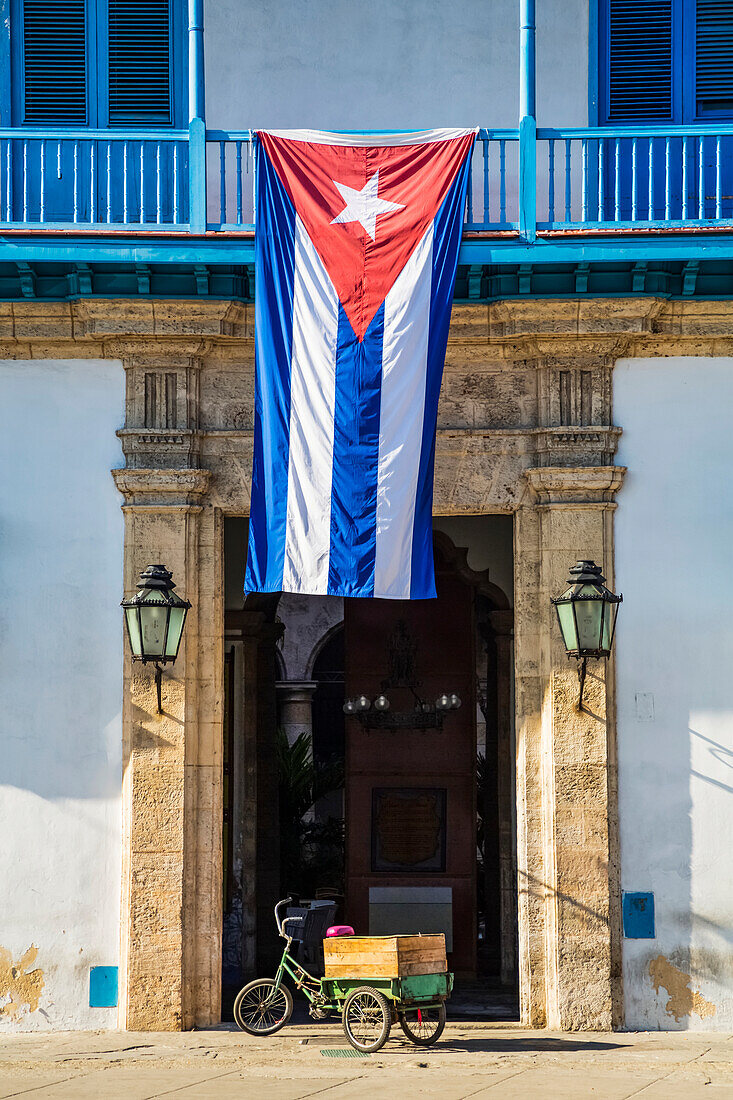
340	930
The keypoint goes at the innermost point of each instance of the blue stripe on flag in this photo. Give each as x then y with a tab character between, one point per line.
355	458
275	260
448	227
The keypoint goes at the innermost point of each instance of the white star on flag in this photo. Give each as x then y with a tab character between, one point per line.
364	206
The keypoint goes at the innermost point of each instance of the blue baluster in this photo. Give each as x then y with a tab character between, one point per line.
58	160
617	182
551	181
634	180
142	182
76	182
175	183
9	180
222	183
650	189
25	181
239	183
701	177
92	184
718	181
684	179
584	182
158	211
502	181
667	181
42	216
567	180
601	183
486	181
109	183
124	183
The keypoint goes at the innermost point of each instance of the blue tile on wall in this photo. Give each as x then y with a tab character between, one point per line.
638	913
103	987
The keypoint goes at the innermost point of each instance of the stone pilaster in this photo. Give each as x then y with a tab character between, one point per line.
171	782
568	880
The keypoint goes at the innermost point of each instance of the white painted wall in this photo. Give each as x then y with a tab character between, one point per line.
340	64
61	545
674	533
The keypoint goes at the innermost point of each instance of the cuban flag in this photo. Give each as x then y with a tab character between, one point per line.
357	240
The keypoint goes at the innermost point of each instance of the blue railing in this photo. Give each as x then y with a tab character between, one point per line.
94	178
196	181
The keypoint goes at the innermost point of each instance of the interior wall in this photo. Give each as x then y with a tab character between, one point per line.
61	539
674	653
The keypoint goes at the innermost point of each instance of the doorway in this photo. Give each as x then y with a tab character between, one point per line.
400	822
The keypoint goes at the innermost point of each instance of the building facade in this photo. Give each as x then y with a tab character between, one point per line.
583	415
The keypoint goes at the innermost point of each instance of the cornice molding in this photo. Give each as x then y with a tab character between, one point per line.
573	485
162	487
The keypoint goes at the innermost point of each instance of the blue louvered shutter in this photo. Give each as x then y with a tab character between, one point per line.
54	62
139	61
639	61
714	57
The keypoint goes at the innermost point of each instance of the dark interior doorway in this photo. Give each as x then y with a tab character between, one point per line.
290	664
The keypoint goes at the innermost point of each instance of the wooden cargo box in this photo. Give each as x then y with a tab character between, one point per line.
384	956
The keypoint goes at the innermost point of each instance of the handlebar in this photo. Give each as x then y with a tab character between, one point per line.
285	920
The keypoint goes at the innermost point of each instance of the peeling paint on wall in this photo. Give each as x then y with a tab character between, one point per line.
20	987
683	999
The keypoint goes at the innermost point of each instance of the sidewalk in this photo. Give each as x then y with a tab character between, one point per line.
471	1060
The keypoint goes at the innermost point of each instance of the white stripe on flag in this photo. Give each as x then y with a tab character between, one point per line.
312	399
402	408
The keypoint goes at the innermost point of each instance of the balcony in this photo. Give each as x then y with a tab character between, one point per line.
555	196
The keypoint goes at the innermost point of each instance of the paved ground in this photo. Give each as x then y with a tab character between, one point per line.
471	1060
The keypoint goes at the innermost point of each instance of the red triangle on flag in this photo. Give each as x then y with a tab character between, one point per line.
365	207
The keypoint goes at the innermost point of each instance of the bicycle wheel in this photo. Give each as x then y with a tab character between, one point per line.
261	1009
423	1026
367	1019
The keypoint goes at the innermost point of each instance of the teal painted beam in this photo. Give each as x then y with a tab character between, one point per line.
214	251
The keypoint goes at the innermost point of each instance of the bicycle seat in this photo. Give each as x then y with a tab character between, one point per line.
340	930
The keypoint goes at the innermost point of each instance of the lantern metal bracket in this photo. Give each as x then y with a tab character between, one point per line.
582	668
159	686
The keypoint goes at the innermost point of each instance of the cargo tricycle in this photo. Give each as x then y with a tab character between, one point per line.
371	981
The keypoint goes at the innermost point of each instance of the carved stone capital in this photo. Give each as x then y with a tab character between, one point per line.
162	488
575	446
575	485
176	447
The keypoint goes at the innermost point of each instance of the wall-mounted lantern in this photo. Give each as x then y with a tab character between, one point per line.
155	618
587	615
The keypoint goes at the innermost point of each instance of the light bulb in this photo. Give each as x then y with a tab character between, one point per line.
349	706
362	703
381	703
455	701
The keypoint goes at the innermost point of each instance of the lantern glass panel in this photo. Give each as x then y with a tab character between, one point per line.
567	625
133	629
154	621
175	629
588	614
609	618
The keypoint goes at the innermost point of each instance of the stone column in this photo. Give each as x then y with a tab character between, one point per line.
295	701
502	623
171	820
568	875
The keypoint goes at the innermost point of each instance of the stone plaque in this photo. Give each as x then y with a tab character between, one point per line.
408	829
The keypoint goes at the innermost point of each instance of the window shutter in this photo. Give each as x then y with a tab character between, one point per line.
714	57
640	60
54	62
139	61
